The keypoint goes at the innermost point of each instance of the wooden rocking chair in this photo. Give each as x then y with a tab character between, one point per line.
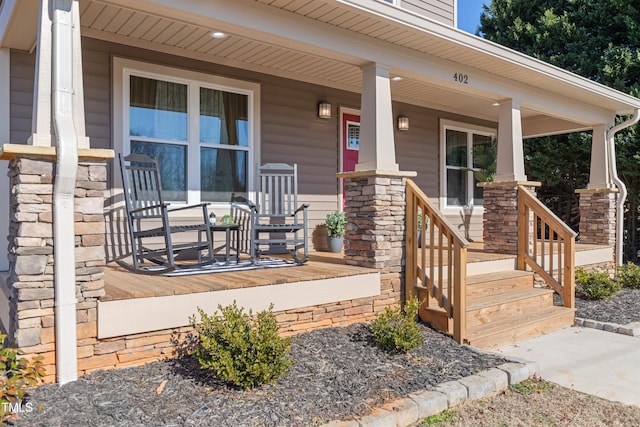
276	214
148	220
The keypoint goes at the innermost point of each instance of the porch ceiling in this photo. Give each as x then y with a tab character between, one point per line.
424	52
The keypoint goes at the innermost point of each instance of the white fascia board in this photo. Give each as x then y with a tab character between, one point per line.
268	24
7	9
487	47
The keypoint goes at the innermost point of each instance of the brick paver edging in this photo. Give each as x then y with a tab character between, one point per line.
631	329
416	406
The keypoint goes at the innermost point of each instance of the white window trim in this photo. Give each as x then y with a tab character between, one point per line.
462	127
122	68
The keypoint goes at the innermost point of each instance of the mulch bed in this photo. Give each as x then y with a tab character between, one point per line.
338	373
622	308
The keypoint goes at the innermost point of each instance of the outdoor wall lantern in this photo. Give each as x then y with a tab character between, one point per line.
324	110
403	123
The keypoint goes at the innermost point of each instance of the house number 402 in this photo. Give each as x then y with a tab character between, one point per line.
461	78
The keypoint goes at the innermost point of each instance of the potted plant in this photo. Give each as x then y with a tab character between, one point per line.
335	231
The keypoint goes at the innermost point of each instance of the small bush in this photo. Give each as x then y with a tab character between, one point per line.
239	348
629	276
16	373
397	329
596	285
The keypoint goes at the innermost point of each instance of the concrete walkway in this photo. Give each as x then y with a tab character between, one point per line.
592	361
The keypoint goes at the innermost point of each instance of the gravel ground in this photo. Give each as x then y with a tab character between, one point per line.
338	373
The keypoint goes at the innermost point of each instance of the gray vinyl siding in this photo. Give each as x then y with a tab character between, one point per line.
21	98
440	10
96	68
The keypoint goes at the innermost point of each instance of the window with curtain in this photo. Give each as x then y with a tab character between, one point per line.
199	134
469	158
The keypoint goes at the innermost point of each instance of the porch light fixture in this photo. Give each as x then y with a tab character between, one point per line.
218	35
324	110
403	123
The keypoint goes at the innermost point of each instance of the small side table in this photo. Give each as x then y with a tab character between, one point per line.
227	228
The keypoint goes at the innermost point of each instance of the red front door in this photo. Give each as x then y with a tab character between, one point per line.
350	144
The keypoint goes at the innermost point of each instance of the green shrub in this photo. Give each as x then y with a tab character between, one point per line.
16	373
596	285
239	348
629	276
396	329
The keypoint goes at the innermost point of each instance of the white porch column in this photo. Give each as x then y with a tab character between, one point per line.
41	128
41	133
377	147
510	164
599	176
78	83
5	135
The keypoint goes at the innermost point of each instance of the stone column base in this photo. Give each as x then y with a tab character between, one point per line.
375	210
30	280
598	216
500	220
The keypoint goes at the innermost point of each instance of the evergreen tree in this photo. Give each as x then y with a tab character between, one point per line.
600	40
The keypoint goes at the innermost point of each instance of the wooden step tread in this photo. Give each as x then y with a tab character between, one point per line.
500	275
491	335
477	303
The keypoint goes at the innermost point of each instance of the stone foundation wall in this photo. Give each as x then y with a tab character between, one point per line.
598	216
138	349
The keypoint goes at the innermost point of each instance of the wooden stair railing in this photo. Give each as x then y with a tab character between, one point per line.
438	263
543	237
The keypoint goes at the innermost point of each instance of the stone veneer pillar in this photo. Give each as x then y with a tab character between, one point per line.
375	210
598	216
500	219
31	282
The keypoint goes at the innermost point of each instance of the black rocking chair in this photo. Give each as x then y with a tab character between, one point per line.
276	214
148	220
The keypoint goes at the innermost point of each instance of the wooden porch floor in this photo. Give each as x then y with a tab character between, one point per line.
121	284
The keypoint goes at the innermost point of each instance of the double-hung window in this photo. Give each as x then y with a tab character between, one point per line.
468	156
201	128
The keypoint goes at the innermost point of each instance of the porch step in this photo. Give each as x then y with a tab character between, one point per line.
507	305
510	331
493	283
503	308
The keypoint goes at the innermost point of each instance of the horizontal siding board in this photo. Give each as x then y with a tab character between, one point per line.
21	98
442	11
